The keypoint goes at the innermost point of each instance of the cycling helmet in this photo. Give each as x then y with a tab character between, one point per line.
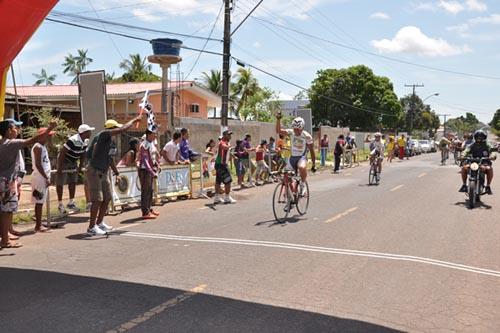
377	134
480	133
298	123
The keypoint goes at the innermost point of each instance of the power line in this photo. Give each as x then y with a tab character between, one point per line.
206	42
130	36
90	19
111	38
480	76
378	112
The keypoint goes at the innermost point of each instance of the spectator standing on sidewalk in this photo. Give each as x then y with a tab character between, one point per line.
148	171
247	159
170	153
40	178
68	168
402	145
261	163
185	152
130	157
238	156
391	146
338	151
209	162
9	167
101	154
324	145
223	176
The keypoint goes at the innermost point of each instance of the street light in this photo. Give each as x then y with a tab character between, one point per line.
433	95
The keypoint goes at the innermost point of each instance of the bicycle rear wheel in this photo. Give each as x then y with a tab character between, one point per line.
303	200
282	202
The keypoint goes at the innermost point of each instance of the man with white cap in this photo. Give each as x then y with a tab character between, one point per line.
68	167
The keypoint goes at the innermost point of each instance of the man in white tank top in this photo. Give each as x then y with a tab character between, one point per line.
40	178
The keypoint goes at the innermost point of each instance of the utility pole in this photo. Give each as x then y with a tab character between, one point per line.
444	124
412	110
225	63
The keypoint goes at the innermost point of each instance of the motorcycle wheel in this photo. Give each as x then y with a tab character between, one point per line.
472	194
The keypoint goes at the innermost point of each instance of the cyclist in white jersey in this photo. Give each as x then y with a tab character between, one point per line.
377	151
301	142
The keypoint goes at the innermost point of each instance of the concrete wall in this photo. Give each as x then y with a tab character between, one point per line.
202	130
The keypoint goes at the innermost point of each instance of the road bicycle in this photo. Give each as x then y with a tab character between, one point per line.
289	193
373	175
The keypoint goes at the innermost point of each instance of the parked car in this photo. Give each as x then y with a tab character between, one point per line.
433	145
425	146
417	150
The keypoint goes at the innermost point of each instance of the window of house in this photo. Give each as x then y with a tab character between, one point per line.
195	108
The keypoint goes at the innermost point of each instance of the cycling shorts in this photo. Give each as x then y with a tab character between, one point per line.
293	162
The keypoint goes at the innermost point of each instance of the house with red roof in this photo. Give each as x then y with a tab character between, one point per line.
190	100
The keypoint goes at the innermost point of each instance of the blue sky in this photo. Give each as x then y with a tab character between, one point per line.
457	35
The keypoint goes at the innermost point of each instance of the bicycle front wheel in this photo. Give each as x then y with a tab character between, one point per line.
303	200
282	202
372	176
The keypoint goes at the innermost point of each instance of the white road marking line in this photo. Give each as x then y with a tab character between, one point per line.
397	188
422	175
127	226
341	215
158	309
300	247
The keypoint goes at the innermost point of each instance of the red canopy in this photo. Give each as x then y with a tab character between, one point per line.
19	20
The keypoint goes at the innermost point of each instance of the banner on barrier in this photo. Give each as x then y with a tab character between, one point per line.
128	187
174	180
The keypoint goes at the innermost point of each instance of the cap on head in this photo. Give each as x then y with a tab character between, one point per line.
227	132
85	128
14	122
111	123
378	134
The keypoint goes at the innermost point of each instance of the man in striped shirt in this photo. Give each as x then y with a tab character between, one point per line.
68	167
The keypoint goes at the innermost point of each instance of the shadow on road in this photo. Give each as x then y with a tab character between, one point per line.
479	205
41	301
273	222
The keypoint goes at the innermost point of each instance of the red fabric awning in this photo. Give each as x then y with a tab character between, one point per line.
20	19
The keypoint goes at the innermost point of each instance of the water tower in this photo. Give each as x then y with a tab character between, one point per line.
166	53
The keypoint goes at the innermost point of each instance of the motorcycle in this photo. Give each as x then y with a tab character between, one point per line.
476	180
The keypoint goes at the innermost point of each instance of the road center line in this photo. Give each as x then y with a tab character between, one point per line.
308	248
158	309
422	175
341	215
397	188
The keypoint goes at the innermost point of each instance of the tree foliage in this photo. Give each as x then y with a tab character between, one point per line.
212	81
495	122
462	125
44	79
136	69
418	115
357	86
74	65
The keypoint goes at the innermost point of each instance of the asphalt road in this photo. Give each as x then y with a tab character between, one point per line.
407	255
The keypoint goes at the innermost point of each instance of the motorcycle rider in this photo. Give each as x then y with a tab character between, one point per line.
480	148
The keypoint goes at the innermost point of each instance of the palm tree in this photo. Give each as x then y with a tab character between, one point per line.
44	78
212	81
136	69
246	86
76	65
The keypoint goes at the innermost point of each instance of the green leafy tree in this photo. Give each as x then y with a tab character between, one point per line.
262	105
301	96
495	122
244	88
137	70
357	86
419	116
74	65
212	81
467	124
44	79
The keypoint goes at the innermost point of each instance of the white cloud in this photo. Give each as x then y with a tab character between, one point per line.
412	40
476	5
453	7
380	16
257	45
492	19
146	15
463	29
